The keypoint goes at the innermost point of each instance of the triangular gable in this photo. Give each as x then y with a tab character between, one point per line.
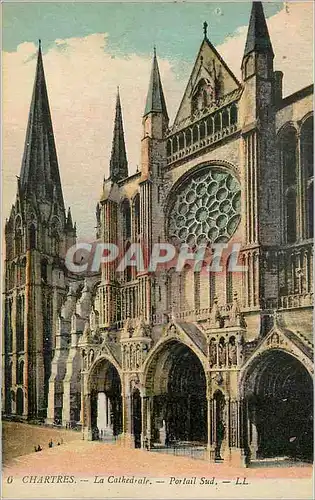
176	331
211	68
285	340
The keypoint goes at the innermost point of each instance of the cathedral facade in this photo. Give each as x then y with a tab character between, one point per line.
222	360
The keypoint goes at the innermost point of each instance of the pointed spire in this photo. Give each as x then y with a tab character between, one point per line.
155	99
69	223
118	160
40	172
257	36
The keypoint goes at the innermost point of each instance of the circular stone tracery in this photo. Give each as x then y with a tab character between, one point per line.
206	208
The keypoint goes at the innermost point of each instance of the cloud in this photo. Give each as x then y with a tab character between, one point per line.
82	81
82	76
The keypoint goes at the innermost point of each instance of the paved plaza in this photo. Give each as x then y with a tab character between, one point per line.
76	456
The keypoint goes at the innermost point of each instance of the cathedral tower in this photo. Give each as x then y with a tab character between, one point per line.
153	160
37	234
258	150
107	214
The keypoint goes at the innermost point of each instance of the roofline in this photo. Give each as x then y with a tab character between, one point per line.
127	179
296	96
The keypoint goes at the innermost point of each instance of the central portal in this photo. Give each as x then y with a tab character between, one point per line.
179	402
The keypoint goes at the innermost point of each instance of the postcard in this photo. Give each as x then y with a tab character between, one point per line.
157	250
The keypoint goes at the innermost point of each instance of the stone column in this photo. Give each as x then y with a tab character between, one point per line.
144	411
234	452
86	417
128	439
210	424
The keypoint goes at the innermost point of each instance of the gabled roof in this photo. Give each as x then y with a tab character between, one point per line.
208	65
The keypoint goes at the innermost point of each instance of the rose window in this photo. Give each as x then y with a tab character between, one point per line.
206	209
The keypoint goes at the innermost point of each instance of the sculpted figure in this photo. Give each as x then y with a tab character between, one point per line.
213	352
91	356
222	352
232	352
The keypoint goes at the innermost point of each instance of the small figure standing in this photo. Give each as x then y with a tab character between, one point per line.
146	444
50	444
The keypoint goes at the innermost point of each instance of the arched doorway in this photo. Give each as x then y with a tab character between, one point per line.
279	401
106	401
177	382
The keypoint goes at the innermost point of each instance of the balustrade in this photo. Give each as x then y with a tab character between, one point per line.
221	123
289	301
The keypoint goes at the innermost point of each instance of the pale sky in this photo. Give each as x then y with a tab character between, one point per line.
89	49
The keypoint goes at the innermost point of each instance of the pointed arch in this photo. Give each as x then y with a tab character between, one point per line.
307	147
307	164
278	393
20	323
181	140
202	129
105	394
217	122
8	326
136	216
169	147
225	118
32	236
23	271
126	218
174	376
13	275
287	140
233	114
195	133
188	137
18	236
20	372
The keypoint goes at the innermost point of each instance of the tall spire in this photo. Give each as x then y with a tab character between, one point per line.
69	223
258	39
40	171
155	99
118	161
